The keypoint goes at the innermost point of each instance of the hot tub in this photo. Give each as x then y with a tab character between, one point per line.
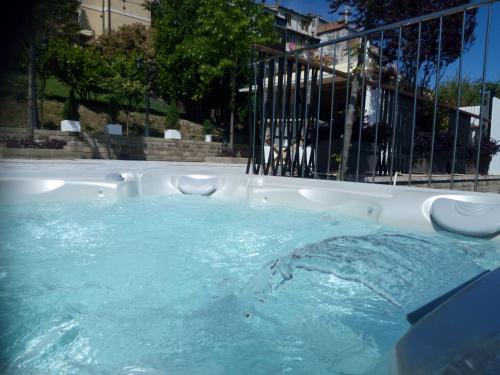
133	267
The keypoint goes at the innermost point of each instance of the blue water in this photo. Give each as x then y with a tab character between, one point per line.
195	285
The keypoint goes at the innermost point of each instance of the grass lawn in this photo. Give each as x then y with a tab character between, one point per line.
13	108
57	90
15	85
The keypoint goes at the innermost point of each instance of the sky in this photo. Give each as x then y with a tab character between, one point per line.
320	7
472	63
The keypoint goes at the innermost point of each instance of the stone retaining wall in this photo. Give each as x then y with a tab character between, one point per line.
102	146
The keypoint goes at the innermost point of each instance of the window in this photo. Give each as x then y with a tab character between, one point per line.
305	25
288	18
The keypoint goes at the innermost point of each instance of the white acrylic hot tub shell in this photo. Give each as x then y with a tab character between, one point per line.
402	207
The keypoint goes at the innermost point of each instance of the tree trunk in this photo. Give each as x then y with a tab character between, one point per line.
43	85
42	100
232	105
32	100
348	126
126	121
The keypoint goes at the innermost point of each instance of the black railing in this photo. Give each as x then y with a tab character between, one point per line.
359	112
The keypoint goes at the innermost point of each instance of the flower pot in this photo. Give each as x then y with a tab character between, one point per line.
172	134
114	129
70	126
420	165
208	137
484	164
367	159
441	163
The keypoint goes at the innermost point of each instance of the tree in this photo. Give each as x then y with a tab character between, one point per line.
135	39
172	116
80	67
370	14
125	83
470	91
43	70
113	109
121	48
201	42
230	28
70	109
51	18
177	74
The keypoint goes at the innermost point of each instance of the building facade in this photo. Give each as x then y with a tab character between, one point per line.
97	17
296	30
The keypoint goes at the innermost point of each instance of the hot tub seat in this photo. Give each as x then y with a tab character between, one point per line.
197	185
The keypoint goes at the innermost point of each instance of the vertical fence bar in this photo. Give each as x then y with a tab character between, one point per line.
288	112
312	114
379	102
294	125
320	87
395	110
436	94
362	109
483	88
459	97
270	164
277	114
341	172
252	118
263	123
306	117
260	96
414	111
271	108
332	101
283	114
301	121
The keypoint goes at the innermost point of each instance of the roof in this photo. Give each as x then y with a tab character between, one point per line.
277	8
332	26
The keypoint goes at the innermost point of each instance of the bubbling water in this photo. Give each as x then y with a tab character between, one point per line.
196	285
407	270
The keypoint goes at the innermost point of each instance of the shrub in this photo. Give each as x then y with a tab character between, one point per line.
113	110
208	127
29	142
172	116
70	110
489	147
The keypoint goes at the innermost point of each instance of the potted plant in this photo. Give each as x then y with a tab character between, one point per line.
421	151
208	130
113	127
443	146
172	122
70	115
489	147
369	149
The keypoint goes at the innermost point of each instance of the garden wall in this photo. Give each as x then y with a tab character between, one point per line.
102	146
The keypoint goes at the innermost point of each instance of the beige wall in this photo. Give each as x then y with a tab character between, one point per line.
120	12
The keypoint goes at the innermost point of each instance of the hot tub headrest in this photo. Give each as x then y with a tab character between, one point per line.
197	185
466	218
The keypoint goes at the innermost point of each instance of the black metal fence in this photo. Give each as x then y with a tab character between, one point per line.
367	109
